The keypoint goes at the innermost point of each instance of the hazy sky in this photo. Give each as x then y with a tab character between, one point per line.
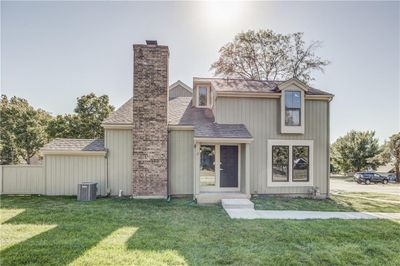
53	52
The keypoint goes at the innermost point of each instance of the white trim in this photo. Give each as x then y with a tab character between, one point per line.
209	100
293	129
117	126
239	94
290	143
81	153
174	85
217	187
223	140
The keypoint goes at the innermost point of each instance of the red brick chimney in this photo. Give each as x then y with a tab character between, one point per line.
150	124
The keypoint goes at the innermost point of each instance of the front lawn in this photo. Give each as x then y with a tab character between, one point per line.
60	230
362	201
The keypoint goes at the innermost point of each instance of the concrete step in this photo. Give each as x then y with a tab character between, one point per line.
216	197
237	204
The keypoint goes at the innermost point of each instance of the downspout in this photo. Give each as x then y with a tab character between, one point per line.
328	150
108	191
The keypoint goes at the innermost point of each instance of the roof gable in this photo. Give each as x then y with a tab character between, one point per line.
293	82
181	84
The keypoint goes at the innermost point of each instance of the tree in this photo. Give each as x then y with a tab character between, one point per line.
266	55
391	153
23	130
90	112
355	151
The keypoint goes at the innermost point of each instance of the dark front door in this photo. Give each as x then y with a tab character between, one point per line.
229	158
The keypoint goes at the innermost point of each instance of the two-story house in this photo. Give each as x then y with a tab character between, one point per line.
225	138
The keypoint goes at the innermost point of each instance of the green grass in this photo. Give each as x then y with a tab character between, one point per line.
60	230
371	202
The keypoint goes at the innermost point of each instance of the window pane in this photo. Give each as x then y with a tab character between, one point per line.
293	99
207	165
280	163
292	117
300	163
203	96
292	108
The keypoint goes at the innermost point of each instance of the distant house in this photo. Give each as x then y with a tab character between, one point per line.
386	169
179	89
228	138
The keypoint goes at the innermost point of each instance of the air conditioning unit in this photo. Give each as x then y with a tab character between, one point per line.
87	191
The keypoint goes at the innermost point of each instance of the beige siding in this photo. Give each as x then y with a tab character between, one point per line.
180	162
119	145
179	91
22	179
262	118
64	172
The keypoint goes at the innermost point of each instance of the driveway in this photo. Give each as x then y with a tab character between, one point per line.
348	185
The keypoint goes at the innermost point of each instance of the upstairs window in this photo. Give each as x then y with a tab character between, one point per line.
203	96
292	108
292	111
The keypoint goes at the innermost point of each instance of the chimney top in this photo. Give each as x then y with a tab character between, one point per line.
151	42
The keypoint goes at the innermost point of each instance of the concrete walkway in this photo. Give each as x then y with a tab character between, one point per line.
303	215
244	209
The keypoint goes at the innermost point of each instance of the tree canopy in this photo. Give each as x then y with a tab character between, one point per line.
356	151
391	153
266	55
24	129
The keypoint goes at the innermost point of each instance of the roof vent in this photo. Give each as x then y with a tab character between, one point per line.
151	42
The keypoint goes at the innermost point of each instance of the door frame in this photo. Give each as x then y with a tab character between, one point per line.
216	187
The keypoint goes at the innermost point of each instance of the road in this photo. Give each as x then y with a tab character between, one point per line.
348	185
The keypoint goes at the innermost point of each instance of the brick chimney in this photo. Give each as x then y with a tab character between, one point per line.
150	124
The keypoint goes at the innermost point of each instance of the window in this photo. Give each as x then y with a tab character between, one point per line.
280	163
203	96
290	163
292	108
292	111
300	163
207	165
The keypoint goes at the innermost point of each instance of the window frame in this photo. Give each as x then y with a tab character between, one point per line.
287	165
291	144
209	96
308	161
292	129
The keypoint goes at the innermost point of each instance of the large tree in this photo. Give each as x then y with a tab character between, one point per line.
355	151
90	112
23	130
266	55
391	153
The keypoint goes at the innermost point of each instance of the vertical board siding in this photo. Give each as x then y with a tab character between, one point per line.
262	119
65	172
22	179
179	91
119	145
180	162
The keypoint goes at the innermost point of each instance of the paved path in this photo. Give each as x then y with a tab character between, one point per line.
303	215
348	185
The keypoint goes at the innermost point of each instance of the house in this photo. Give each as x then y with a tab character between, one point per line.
228	138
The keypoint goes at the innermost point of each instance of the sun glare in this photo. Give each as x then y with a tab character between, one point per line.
222	12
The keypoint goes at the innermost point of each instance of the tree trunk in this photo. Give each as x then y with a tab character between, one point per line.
397	173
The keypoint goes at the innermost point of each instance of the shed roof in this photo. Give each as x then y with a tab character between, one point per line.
61	144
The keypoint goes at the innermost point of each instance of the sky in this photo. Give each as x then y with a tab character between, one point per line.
54	52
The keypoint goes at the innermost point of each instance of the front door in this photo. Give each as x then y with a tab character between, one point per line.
219	167
229	157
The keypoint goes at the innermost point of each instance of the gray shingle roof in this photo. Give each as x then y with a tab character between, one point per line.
123	115
214	130
243	85
75	145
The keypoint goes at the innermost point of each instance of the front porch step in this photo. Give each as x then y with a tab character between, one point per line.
237	204
216	197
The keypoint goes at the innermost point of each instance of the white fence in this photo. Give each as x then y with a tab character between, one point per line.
22	179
